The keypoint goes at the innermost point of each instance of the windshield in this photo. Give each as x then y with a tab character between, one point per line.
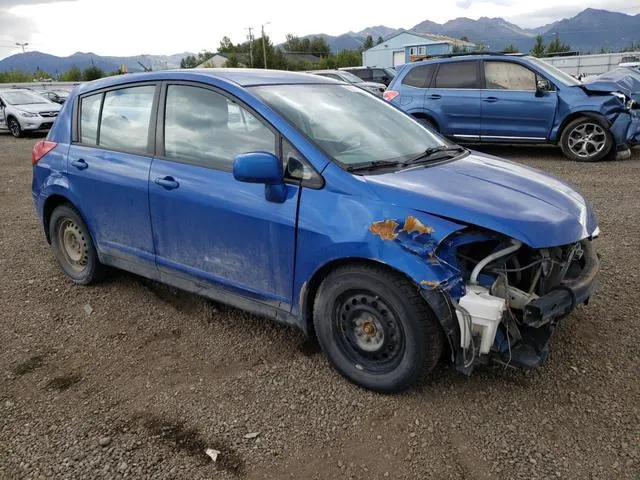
554	72
22	97
349	124
350	77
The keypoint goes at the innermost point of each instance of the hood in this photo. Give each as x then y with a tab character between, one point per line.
38	107
623	80
517	201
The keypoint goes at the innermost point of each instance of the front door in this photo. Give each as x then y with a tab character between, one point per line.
512	108
3	120
207	226
454	97
108	168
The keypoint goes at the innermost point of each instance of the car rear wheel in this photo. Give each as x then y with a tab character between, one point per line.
586	140
73	247
375	328
14	127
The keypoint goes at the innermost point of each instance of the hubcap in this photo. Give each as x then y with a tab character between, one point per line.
368	332
73	245
587	140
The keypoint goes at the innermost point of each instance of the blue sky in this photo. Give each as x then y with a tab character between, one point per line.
129	27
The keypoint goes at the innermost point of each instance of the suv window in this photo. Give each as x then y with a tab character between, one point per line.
206	128
508	76
419	76
380	75
126	115
457	75
89	116
364	73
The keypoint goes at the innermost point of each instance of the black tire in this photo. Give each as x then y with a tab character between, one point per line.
589	136
353	305
14	127
69	233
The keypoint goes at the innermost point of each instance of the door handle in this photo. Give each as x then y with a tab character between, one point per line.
490	99
80	164
167	182
434	96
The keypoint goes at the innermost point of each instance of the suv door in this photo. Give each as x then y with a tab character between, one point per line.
108	169
209	227
3	120
454	97
512	107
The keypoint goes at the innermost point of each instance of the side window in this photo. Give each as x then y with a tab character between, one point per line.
419	76
126	115
508	76
379	75
206	128
333	75
365	74
457	75
89	113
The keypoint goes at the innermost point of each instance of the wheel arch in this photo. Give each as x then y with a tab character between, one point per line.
575	115
50	204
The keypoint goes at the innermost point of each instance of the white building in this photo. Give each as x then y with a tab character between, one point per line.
410	46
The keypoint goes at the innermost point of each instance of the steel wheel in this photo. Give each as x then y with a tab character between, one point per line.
14	127
367	332
587	140
74	245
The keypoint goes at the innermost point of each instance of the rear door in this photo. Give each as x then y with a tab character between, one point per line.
108	168
209	227
413	89
454	97
512	108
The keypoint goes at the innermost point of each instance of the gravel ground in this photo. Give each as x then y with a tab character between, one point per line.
131	379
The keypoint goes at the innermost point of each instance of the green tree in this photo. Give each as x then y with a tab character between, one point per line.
190	61
92	73
15	76
511	48
380	40
556	46
539	47
368	43
72	75
348	58
226	45
632	47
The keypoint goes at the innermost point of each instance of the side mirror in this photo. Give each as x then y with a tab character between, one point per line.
261	167
543	85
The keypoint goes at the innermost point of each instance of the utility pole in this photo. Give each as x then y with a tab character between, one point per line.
22	45
264	45
25	44
250	47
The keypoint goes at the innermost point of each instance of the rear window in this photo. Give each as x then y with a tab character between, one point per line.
457	75
419	76
364	74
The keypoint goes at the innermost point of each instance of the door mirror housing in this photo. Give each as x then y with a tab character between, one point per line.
543	85
262	167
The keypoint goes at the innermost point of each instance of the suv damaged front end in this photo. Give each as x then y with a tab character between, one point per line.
504	299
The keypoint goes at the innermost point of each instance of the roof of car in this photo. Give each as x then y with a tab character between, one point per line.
467	56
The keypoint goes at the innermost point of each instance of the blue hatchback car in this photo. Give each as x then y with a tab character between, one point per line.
521	99
314	203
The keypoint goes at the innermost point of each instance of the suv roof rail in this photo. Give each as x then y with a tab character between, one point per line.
479	52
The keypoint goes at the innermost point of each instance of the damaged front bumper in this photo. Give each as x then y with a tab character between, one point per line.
626	131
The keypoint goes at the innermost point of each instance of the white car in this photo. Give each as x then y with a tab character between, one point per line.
23	110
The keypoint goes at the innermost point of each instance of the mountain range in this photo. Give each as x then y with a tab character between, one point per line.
588	31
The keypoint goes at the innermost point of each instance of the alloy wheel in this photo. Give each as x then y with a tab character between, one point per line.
587	139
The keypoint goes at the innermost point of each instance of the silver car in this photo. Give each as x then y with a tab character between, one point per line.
373	87
22	110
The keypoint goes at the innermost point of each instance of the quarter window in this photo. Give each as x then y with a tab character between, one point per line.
419	76
508	76
457	75
89	115
206	128
126	115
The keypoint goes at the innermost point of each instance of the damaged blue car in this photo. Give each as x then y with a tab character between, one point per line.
316	204
500	98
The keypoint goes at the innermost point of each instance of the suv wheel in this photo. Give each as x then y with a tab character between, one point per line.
14	127
375	328
73	247
586	140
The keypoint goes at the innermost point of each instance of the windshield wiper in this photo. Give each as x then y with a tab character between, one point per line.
432	151
364	166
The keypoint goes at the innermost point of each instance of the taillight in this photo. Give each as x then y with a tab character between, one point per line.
389	95
40	149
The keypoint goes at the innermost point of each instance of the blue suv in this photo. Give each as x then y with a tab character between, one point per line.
507	98
312	202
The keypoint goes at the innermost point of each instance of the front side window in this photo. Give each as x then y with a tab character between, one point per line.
365	74
126	115
419	76
89	116
348	124
457	75
508	76
207	129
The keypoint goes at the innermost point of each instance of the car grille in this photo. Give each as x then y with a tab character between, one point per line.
48	114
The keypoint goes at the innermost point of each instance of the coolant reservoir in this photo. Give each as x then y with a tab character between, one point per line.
486	314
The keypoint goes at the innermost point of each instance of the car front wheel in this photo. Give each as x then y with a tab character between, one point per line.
586	140
375	328
14	127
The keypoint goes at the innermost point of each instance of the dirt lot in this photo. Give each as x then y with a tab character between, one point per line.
130	379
